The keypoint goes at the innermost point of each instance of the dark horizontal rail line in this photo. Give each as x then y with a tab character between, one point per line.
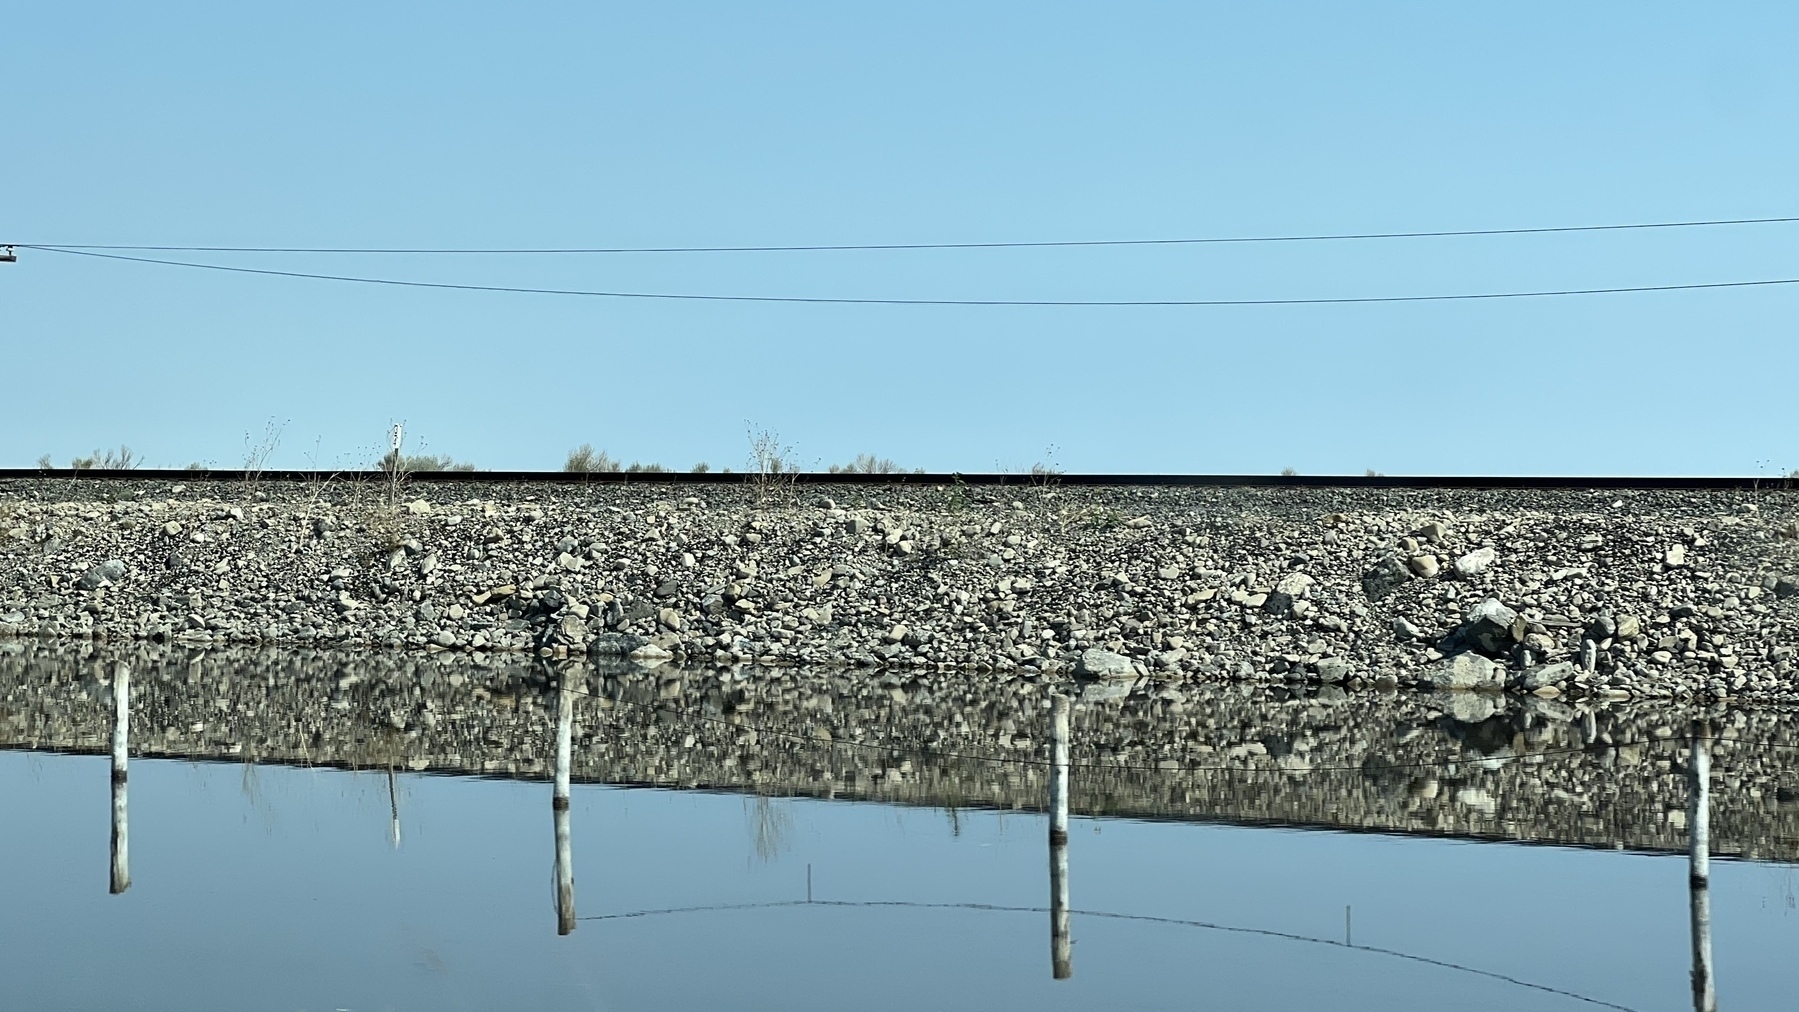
1620	483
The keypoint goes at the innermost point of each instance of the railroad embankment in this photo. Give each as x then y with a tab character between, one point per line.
1575	593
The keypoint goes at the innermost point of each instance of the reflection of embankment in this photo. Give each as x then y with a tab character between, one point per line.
1394	763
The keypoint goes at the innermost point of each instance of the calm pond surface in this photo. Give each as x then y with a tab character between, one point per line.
1371	854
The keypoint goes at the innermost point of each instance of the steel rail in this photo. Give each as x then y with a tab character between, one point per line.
1019	480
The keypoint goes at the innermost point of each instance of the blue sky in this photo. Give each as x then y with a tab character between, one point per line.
727	124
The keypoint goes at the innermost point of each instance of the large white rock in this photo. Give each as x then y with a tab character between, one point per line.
1466	671
1104	664
1475	562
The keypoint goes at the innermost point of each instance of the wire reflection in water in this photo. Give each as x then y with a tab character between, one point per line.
1375	950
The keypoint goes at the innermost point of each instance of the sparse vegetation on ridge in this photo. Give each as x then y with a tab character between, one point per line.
868	463
584	459
412	462
122	459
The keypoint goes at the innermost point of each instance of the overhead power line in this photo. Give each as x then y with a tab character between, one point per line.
1323	237
694	297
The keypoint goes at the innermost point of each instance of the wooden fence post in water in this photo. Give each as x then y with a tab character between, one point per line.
1060	947
393	807
1699	865
565	868
121	746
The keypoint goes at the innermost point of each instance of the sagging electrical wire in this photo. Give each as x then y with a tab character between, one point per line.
1000	303
844	247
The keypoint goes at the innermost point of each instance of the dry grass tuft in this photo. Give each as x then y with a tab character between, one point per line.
772	469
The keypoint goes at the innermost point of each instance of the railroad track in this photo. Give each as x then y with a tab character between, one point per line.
1021	480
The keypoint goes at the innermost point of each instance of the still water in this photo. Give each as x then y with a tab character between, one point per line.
397	868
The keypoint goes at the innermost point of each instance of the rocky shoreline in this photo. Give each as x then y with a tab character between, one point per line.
1682	595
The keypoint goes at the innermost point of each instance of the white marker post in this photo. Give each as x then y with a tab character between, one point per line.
565	867
1699	865
395	465
121	747
1061	948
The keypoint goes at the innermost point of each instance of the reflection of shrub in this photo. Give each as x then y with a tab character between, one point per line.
584	459
772	824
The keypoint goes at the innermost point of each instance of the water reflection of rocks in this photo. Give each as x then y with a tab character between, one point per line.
1410	763
47	696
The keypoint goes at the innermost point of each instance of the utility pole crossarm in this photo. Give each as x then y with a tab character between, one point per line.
7	256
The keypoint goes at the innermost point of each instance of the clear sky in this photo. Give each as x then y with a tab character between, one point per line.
457	125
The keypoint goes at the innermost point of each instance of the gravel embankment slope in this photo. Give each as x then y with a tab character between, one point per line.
1596	594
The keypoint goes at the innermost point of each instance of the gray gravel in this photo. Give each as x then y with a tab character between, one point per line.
1663	595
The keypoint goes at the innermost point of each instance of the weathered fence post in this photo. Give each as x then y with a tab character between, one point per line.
121	747
1699	865
565	868
1060	947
